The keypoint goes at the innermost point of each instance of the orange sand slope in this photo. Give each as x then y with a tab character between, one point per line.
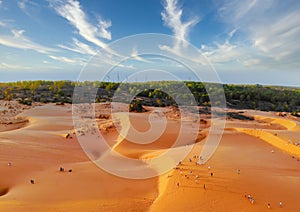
267	170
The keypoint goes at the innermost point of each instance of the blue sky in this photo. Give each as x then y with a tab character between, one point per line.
250	41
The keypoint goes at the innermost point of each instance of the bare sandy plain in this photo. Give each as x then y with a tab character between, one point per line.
260	158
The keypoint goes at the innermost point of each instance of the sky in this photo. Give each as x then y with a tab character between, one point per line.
246	42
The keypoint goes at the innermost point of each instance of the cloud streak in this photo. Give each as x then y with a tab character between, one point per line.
17	39
73	13
6	66
268	34
67	60
79	47
172	17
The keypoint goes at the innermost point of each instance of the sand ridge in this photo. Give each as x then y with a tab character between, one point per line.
39	149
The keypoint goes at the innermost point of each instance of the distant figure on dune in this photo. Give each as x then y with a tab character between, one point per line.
70	170
251	199
211	174
32	181
204	187
177	184
280	204
269	205
238	171
9	164
208	167
61	169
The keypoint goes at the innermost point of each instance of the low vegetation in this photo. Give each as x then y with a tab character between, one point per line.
259	97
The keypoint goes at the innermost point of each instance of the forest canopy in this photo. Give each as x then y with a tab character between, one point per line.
267	98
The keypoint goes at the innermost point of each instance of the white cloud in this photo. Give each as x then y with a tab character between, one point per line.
79	47
72	11
2	24
233	11
172	17
21	5
28	7
222	53
280	38
251	62
20	41
269	33
5	66
67	60
103	26
135	55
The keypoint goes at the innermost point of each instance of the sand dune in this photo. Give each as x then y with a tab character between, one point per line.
37	151
273	140
271	135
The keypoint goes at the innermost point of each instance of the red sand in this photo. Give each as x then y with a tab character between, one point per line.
268	171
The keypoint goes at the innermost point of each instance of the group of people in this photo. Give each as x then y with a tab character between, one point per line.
251	199
191	173
62	169
188	176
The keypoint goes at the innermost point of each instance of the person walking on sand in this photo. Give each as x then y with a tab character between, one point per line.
280	204
204	187
269	205
211	174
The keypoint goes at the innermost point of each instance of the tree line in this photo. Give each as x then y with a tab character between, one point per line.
159	93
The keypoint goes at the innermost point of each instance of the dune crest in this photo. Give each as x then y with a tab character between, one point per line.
272	139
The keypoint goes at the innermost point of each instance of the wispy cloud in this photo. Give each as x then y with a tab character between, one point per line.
232	11
68	60
30	8
280	38
103	29
135	55
268	30
5	66
2	24
17	39
221	53
79	47
71	10
22	6
172	17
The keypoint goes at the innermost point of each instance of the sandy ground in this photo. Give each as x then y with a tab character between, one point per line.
265	151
